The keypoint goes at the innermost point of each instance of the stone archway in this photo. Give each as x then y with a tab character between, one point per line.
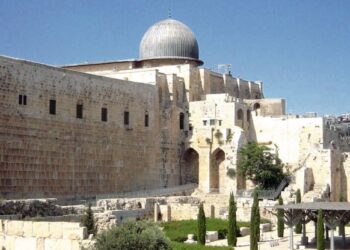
190	167
216	167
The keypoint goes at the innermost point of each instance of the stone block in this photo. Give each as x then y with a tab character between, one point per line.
244	231
9	242
75	245
41	229
40	244
56	230
3	226
15	228
28	243
190	239
266	227
212	236
55	244
74	233
27	228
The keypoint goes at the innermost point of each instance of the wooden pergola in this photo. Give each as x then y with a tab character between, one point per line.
335	214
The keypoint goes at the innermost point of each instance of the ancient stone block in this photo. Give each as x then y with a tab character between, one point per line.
41	229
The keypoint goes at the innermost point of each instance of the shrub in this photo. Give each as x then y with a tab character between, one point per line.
88	221
133	235
201	225
258	164
280	219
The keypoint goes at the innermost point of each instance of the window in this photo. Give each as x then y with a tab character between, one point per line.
204	122
146	120
104	114
80	111
22	100
182	120
126	117
220	121
52	107
212	122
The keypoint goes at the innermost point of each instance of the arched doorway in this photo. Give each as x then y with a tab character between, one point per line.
216	170
190	167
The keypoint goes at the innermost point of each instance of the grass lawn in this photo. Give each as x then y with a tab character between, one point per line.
178	230
182	246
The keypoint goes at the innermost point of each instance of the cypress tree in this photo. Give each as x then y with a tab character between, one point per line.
280	219
255	223
232	222
298	227
320	231
88	221
342	225
257	219
201	225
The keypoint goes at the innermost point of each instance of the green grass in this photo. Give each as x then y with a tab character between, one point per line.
182	246
178	230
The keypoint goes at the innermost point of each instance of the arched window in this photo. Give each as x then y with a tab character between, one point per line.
182	120
256	106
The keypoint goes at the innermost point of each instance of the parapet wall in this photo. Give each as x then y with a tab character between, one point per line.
34	235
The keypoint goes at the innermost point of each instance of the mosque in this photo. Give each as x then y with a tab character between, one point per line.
154	122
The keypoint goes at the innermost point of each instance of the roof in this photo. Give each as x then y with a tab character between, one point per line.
169	39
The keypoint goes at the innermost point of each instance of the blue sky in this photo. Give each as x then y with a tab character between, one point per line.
299	49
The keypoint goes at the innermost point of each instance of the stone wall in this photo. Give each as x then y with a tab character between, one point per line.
33	235
58	155
33	208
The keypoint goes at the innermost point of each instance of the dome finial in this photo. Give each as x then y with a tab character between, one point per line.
169	12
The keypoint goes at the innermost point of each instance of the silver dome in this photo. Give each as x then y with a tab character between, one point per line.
169	39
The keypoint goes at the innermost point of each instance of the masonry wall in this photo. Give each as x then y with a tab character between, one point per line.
43	155
35	235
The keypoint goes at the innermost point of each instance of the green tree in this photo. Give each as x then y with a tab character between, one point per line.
298	227
202	228
261	166
133	235
255	223
320	231
280	219
88	221
232	222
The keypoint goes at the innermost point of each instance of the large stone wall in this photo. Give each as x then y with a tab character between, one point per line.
45	155
35	235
